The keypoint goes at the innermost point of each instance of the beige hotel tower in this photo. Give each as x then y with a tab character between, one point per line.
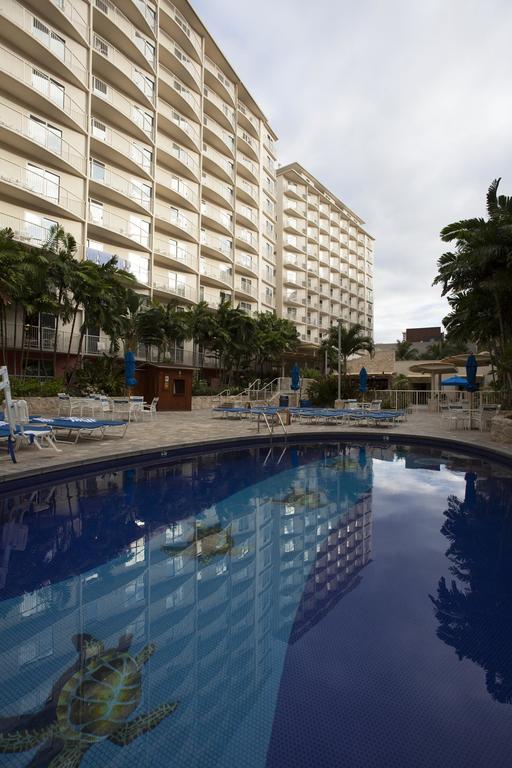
124	123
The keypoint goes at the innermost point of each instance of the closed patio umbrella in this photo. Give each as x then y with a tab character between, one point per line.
295	378
471	369
129	370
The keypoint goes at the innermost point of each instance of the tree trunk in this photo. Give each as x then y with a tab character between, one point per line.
75	313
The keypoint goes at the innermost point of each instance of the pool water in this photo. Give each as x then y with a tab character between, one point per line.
314	605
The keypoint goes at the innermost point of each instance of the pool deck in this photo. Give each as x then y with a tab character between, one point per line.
173	430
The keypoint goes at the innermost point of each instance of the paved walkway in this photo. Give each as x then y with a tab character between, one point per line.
173	429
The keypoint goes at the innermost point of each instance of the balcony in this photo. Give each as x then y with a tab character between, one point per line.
218	247
249	121
25	231
106	224
217	277
111	145
293	279
173	188
173	21
118	189
113	66
214	134
246	263
46	95
174	254
176	222
216	79
32	137
141	273
63	15
247	144
110	23
176	59
175	92
218	109
216	191
247	238
218	164
246	215
176	157
294	261
213	300
143	13
216	218
166	283
291	243
40	42
296	298
39	189
246	288
247	168
178	127
110	105
246	191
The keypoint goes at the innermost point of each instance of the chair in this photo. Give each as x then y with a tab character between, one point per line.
376	405
81	426
136	409
483	417
40	436
150	408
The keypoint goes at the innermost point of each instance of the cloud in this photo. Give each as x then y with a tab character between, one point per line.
400	108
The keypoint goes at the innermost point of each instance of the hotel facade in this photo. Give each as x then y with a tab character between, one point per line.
125	124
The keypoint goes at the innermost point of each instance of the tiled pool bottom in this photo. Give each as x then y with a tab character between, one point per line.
324	605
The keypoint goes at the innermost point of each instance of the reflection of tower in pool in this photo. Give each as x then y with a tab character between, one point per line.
323	547
212	623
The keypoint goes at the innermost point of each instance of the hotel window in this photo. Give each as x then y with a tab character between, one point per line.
96	212
143	119
144	82
245	307
49	38
99	87
269	295
246	284
37	228
98	171
48	87
45	134
142	156
99	130
43	182
141	192
145	47
139	230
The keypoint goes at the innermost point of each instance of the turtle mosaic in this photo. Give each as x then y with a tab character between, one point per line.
91	702
209	542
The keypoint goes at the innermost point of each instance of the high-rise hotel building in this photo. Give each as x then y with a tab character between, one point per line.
124	123
325	258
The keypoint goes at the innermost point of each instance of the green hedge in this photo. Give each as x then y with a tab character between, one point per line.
36	388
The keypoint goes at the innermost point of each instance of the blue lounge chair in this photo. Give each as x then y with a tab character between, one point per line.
81	426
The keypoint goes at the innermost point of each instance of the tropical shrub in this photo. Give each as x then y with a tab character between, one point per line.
103	375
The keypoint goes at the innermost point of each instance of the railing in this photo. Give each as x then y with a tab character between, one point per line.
177	51
435	400
179	86
223	190
148	14
37	131
172	114
251	117
45	34
112	138
247	187
228	111
227	138
183	24
177	253
175	184
120	103
221	160
77	21
225	246
25	231
222	275
123	23
40	81
112	221
176	218
181	154
108	51
38	183
221	77
125	186
163	282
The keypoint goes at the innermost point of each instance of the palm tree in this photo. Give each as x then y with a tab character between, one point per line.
274	336
60	250
346	342
477	277
404	350
204	329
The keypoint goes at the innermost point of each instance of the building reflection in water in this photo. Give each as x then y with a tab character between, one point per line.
119	554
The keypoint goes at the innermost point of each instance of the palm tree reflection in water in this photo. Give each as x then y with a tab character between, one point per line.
475	610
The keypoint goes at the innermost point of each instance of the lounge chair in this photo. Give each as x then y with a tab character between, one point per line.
150	408
81	426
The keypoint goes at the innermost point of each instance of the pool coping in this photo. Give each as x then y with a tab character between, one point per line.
76	468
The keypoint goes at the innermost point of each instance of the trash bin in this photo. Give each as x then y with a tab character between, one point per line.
284	401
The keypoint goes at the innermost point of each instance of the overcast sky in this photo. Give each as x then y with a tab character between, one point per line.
403	108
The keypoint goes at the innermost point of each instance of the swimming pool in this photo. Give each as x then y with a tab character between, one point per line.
333	604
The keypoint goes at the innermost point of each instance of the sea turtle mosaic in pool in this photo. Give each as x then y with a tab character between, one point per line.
317	605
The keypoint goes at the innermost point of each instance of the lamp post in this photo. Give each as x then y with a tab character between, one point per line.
339	358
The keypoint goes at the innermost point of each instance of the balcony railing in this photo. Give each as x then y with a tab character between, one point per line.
183	123
176	218
175	252
175	184
37	131
144	83
222	275
250	116
228	111
165	282
223	245
71	13
177	51
227	138
112	180
24	231
37	183
109	220
217	186
42	83
221	160
120	103
181	89
45	34
122	144
221	217
180	153
124	25
221	77
183	24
